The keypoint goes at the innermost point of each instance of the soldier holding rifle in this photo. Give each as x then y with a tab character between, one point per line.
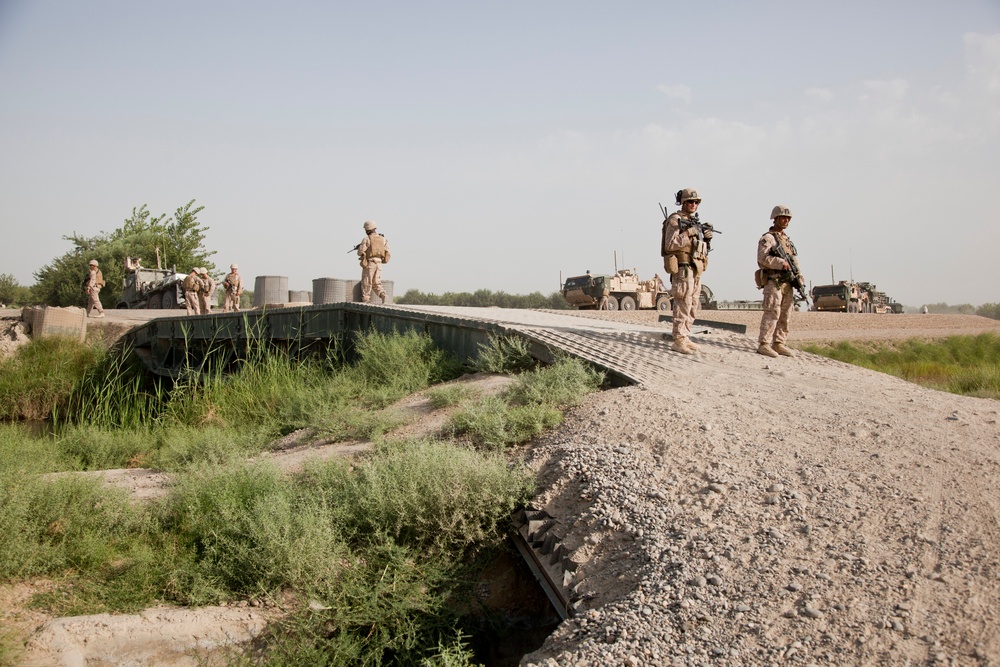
778	276
685	245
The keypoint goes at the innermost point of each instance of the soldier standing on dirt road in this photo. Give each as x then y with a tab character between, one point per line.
685	257
373	251
192	288
92	286
778	292
233	284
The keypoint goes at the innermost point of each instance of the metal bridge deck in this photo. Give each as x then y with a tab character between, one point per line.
628	353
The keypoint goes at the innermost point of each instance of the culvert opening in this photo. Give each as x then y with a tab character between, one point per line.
515	616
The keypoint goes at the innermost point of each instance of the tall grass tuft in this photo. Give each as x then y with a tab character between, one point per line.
40	377
504	354
967	365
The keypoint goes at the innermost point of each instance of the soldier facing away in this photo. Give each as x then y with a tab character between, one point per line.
777	278
207	291
92	285
233	285
192	287
373	251
684	247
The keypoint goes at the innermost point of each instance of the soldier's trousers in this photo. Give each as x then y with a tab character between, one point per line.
231	304
191	301
371	280
778	301
94	301
685	290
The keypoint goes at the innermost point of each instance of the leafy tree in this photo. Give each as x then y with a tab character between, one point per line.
11	291
989	310
485	299
176	242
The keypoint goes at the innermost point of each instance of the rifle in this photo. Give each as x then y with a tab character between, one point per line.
354	249
797	281
693	221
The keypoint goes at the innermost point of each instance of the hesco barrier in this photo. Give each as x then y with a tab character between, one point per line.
270	289
299	296
329	290
46	321
356	292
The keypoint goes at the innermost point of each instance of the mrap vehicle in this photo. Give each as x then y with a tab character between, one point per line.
625	291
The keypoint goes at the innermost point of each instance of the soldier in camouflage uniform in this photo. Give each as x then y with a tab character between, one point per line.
207	291
192	288
776	277
92	286
373	251
685	258
233	284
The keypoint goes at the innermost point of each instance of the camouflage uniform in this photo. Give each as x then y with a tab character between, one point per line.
192	287
373	251
92	286
778	290
206	293
685	259
233	284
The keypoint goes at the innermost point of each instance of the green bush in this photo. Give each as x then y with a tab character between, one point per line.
40	377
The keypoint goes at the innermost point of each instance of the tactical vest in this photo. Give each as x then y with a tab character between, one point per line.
780	275
376	247
694	255
192	284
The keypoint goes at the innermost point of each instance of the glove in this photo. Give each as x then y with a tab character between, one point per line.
708	235
692	232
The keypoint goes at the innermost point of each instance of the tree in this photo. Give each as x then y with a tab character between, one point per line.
11	291
178	242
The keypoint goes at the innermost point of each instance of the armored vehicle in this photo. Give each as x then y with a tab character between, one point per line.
624	291
848	296
151	288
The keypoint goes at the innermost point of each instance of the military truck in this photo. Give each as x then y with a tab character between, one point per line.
625	291
848	296
151	288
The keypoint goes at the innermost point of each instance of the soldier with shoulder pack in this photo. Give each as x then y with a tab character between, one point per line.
92	285
207	291
684	246
373	252
192	289
779	276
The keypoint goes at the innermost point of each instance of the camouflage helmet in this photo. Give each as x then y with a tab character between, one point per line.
233	266
687	194
779	211
369	225
93	262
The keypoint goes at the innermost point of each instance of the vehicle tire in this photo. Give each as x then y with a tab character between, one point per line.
122	306
612	303
169	301
627	303
663	304
155	302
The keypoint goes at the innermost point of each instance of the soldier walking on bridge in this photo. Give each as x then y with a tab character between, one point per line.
92	285
233	284
373	251
777	276
684	247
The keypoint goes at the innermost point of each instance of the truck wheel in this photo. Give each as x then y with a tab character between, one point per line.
169	301
627	303
154	302
612	303
663	304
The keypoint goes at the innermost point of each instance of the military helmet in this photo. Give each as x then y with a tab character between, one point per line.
233	266
779	210
369	225
93	262
687	194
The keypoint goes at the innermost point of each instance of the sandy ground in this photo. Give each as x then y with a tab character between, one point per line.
866	499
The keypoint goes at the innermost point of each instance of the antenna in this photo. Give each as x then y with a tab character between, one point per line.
832	281
851	263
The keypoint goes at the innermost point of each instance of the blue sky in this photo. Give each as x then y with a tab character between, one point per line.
498	145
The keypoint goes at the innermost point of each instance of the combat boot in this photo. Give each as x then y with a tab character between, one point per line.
693	345
766	350
681	345
782	350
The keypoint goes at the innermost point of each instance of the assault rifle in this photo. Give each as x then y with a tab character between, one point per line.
354	249
797	281
702	227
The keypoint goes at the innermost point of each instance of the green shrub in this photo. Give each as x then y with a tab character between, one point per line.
504	354
40	377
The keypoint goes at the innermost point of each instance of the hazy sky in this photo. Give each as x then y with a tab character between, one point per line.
499	144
